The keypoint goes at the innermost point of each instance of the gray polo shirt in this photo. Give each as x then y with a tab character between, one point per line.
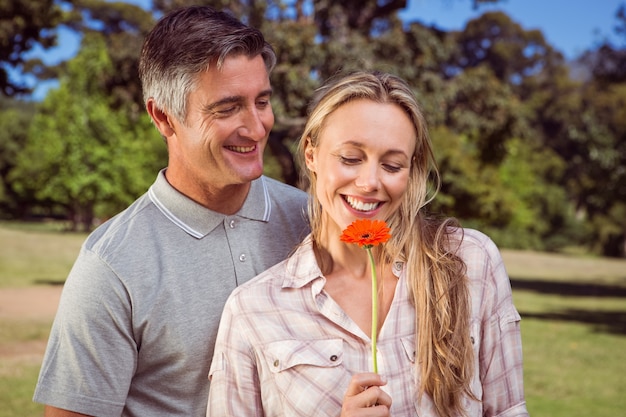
135	329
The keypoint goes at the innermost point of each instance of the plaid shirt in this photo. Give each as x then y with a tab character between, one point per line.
285	348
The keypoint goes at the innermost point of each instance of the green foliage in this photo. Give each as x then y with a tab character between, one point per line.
528	152
295	48
82	154
486	110
23	24
123	27
470	191
15	119
542	218
496	41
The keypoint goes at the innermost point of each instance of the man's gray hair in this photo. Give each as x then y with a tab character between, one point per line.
185	43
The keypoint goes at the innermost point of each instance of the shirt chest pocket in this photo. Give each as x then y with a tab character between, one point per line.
295	374
286	354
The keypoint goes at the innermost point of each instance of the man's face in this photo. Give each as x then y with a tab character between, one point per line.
229	118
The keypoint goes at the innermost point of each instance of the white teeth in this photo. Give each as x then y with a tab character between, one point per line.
359	205
241	149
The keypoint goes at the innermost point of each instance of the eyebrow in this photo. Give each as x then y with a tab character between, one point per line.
232	100
360	146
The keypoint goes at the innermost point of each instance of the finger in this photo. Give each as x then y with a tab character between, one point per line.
382	398
374	396
364	397
360	382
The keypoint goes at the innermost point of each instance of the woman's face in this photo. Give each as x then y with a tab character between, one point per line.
362	162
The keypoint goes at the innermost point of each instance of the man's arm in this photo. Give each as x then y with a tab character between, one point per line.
58	412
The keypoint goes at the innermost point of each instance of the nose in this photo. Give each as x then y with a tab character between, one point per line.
367	178
256	124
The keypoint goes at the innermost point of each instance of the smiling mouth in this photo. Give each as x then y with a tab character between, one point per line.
241	149
360	205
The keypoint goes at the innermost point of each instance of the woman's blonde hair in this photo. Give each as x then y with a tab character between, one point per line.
436	275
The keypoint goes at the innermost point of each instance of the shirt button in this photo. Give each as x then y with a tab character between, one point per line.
231	224
276	362
333	358
242	257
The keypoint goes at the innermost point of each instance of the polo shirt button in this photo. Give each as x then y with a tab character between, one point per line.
231	224
242	257
333	358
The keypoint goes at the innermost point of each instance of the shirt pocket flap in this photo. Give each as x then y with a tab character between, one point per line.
285	354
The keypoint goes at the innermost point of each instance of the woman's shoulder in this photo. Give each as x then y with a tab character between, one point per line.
482	258
477	243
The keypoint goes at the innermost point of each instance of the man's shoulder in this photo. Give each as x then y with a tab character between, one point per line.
285	193
125	223
274	184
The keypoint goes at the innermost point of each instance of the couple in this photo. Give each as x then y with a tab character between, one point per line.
136	325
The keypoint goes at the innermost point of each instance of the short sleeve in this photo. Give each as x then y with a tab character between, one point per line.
91	354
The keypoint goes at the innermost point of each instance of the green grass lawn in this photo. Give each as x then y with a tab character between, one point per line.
573	324
39	253
574	333
19	374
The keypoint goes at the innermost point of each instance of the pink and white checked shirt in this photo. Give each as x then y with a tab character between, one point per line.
285	348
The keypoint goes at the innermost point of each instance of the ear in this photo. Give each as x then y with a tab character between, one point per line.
160	118
309	155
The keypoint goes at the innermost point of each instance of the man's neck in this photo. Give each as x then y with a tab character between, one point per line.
227	199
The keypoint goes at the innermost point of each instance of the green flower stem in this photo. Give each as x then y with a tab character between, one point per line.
374	308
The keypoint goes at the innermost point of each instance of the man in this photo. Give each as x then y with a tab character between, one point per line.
140	309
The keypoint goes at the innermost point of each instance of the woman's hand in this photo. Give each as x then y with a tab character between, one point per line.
365	398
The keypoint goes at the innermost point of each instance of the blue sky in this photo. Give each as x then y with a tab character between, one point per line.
570	26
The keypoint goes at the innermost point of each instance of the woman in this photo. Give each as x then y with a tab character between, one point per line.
295	341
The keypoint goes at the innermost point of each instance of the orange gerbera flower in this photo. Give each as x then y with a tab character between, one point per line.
366	233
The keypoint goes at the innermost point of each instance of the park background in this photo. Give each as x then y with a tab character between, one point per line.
530	142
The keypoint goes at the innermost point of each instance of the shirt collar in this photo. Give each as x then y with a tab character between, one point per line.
198	220
302	267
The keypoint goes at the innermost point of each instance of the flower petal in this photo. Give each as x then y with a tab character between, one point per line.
366	232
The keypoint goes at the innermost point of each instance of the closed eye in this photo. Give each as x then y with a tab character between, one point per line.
227	111
349	161
391	168
262	104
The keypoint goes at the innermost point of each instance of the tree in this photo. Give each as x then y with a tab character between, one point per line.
512	53
522	144
15	118
82	154
608	62
486	110
24	24
123	27
602	132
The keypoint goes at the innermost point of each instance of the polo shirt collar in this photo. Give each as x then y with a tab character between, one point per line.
198	220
